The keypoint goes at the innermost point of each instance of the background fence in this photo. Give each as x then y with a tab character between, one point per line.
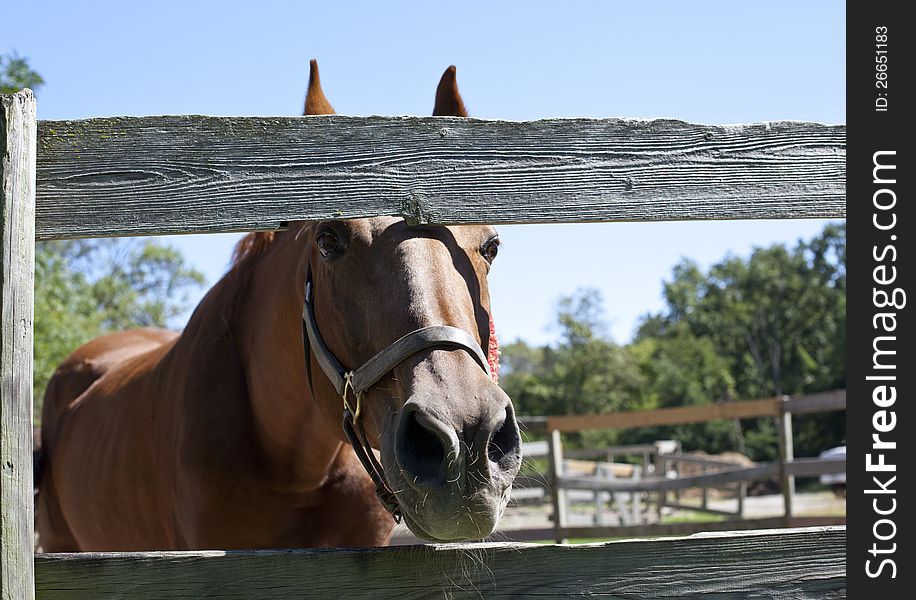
557	482
142	176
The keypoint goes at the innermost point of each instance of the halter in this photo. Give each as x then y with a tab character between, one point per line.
354	383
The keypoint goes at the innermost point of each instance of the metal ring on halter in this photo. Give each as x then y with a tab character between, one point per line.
348	385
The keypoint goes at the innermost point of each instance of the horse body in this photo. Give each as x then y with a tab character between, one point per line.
160	449
218	438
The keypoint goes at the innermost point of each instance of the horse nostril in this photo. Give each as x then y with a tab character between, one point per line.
505	443
420	450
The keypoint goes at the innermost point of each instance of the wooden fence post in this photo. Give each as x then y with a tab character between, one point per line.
17	274
635	497
704	498
786	455
557	494
742	494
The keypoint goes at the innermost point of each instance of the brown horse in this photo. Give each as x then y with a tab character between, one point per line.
229	435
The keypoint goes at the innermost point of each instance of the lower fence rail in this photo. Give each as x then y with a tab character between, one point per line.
786	563
660	529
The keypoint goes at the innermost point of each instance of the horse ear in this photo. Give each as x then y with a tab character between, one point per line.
315	102
448	100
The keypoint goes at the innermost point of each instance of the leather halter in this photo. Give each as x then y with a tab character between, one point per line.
355	382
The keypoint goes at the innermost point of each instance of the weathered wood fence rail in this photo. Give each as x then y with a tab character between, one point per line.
152	175
801	563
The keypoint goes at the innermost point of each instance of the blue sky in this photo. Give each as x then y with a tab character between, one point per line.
701	61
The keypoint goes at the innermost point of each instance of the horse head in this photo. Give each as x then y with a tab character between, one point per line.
447	434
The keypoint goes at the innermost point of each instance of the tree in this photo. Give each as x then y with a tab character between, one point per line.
84	288
779	316
584	373
767	325
15	74
778	319
682	369
133	282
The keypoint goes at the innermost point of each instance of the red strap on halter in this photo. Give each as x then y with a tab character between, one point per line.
493	352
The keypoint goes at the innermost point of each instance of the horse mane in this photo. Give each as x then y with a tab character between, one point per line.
225	298
257	243
253	244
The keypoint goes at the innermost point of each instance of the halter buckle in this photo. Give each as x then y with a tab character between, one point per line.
348	385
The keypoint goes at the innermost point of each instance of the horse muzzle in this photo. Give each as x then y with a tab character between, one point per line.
453	469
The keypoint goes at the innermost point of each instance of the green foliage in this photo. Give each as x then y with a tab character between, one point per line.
778	317
778	320
84	288
767	325
15	74
134	282
682	369
585	373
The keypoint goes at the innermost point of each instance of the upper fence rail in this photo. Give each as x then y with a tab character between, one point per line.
683	415
194	174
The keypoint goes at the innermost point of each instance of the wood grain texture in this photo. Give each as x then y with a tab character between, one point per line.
17	274
181	174
794	563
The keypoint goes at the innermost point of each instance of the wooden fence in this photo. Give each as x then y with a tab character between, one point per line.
802	563
151	175
785	470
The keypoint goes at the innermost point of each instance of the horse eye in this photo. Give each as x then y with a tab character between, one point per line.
490	249
328	242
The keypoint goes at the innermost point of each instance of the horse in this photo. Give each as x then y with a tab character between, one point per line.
258	425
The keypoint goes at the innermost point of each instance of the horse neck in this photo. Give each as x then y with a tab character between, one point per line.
297	436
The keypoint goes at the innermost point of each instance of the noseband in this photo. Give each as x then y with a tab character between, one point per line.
354	383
